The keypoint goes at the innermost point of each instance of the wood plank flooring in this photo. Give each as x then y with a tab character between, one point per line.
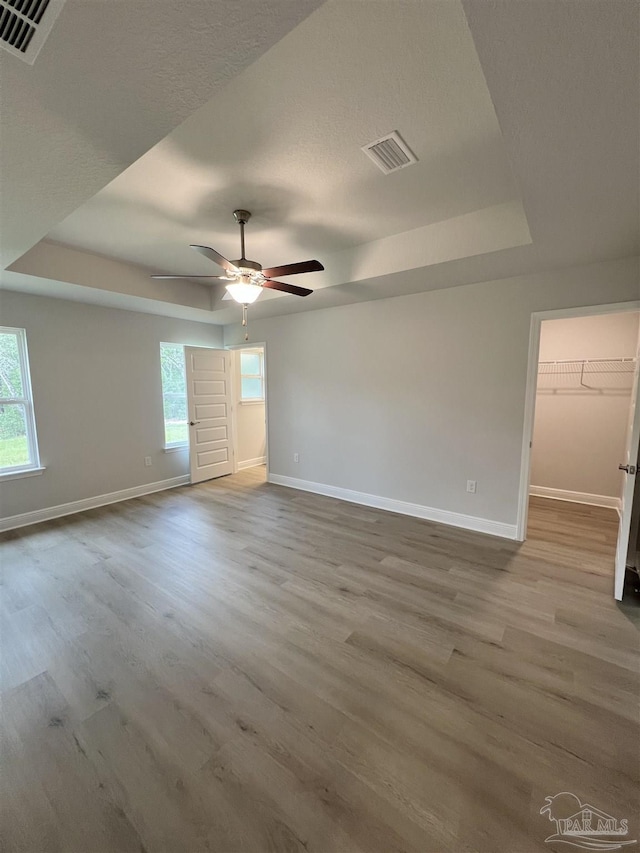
236	666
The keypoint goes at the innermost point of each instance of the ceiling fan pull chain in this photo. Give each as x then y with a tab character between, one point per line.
245	321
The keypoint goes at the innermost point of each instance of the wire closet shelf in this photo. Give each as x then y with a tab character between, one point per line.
593	374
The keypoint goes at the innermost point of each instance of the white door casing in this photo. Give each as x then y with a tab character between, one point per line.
631	461
208	373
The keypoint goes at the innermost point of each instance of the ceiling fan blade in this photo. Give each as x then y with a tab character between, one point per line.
188	275
216	257
293	269
286	288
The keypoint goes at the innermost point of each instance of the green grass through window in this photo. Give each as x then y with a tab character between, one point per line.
14	451
175	432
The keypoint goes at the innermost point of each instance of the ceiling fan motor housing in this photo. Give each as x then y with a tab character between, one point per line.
252	265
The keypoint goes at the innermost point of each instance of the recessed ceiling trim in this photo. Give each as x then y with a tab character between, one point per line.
25	25
390	153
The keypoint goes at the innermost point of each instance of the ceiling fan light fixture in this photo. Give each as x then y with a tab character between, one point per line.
244	293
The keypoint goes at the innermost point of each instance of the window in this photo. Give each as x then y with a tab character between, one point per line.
174	395
18	444
251	375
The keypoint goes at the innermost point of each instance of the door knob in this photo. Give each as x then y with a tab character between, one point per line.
630	469
193	423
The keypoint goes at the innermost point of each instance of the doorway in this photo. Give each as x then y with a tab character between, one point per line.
581	423
249	390
226	403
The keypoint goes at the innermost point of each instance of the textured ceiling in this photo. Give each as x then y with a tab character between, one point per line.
287	146
524	117
114	77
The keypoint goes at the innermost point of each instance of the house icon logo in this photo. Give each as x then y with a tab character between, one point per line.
582	825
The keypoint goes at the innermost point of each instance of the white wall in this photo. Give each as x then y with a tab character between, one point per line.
579	435
408	398
250	425
98	398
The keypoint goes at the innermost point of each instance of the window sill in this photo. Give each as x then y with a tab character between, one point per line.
24	472
251	402
172	448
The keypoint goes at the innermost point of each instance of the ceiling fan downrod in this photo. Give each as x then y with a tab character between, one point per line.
242	217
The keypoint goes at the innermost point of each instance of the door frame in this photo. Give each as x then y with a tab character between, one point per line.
235	392
537	317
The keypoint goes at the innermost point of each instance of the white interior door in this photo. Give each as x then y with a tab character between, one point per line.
209	406
630	466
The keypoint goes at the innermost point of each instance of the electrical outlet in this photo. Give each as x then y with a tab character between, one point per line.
147	461
471	486
296	457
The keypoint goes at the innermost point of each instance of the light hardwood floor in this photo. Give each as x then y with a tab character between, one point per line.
236	666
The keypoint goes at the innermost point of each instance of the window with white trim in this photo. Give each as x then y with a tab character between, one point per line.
18	441
174	395
251	375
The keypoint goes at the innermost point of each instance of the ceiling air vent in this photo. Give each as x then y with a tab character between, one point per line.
390	153
25	25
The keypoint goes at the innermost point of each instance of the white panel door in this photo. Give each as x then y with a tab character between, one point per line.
630	465
209	406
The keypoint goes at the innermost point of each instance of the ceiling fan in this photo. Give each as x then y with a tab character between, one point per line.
247	278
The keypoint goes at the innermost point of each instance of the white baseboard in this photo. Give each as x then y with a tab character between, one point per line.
251	463
455	519
13	521
576	497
